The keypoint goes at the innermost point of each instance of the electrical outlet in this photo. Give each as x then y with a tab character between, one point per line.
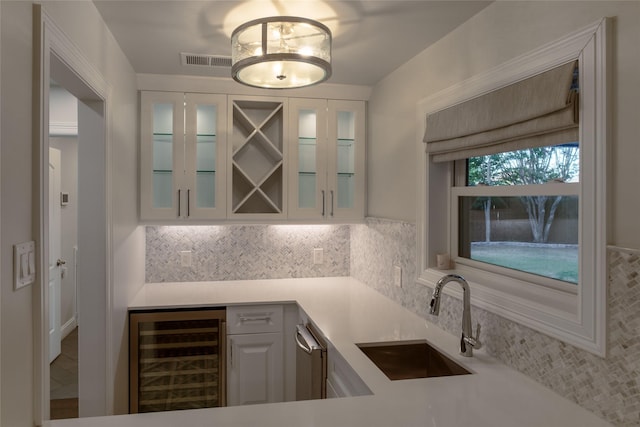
318	256
397	276
185	258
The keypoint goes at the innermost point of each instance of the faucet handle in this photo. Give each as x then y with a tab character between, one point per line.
474	341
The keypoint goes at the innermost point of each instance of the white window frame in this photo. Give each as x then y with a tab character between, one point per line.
575	318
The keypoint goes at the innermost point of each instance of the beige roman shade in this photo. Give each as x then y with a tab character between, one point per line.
539	111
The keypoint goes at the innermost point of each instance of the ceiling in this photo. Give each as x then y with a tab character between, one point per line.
371	38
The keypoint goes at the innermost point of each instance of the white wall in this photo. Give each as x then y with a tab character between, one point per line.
63	111
500	32
17	326
81	22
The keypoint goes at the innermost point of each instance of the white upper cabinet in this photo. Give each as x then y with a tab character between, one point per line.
207	157
257	158
327	159
183	156
161	154
308	151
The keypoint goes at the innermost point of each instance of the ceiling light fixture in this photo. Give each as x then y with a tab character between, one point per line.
281	52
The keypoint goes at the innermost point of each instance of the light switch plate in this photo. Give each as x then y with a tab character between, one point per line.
397	276
318	256
185	258
64	198
24	267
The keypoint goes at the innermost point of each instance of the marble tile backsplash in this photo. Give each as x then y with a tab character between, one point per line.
236	252
609	387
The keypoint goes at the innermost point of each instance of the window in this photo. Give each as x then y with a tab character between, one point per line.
524	223
518	214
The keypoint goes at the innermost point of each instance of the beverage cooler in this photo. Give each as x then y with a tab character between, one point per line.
177	359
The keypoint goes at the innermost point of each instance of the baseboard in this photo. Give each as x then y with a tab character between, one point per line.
69	326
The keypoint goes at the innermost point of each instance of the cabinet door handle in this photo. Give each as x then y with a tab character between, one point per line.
323	204
301	343
179	197
188	202
331	202
222	383
259	318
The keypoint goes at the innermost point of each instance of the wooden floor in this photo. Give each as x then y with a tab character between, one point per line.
64	380
64	408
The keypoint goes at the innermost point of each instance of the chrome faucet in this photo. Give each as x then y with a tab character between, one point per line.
467	342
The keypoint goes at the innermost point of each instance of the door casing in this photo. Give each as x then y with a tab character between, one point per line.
55	56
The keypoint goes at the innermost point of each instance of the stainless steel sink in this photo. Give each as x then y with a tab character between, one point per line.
403	360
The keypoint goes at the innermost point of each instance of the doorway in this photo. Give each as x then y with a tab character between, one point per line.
63	252
60	61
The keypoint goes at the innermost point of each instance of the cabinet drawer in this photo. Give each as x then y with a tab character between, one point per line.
254	319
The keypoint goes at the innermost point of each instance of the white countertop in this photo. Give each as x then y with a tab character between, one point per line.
349	312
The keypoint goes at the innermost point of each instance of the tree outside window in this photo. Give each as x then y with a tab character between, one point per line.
533	233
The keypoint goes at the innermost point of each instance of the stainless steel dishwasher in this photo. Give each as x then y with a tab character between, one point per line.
311	364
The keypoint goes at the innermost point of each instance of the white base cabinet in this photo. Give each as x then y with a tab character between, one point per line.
342	380
255	355
255	369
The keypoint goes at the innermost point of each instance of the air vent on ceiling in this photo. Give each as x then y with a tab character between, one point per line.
200	60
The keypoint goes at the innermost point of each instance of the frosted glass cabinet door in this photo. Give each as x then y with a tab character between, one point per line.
205	154
346	163
183	152
308	154
162	159
327	159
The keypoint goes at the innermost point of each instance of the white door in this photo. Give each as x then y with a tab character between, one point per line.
255	369
55	251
